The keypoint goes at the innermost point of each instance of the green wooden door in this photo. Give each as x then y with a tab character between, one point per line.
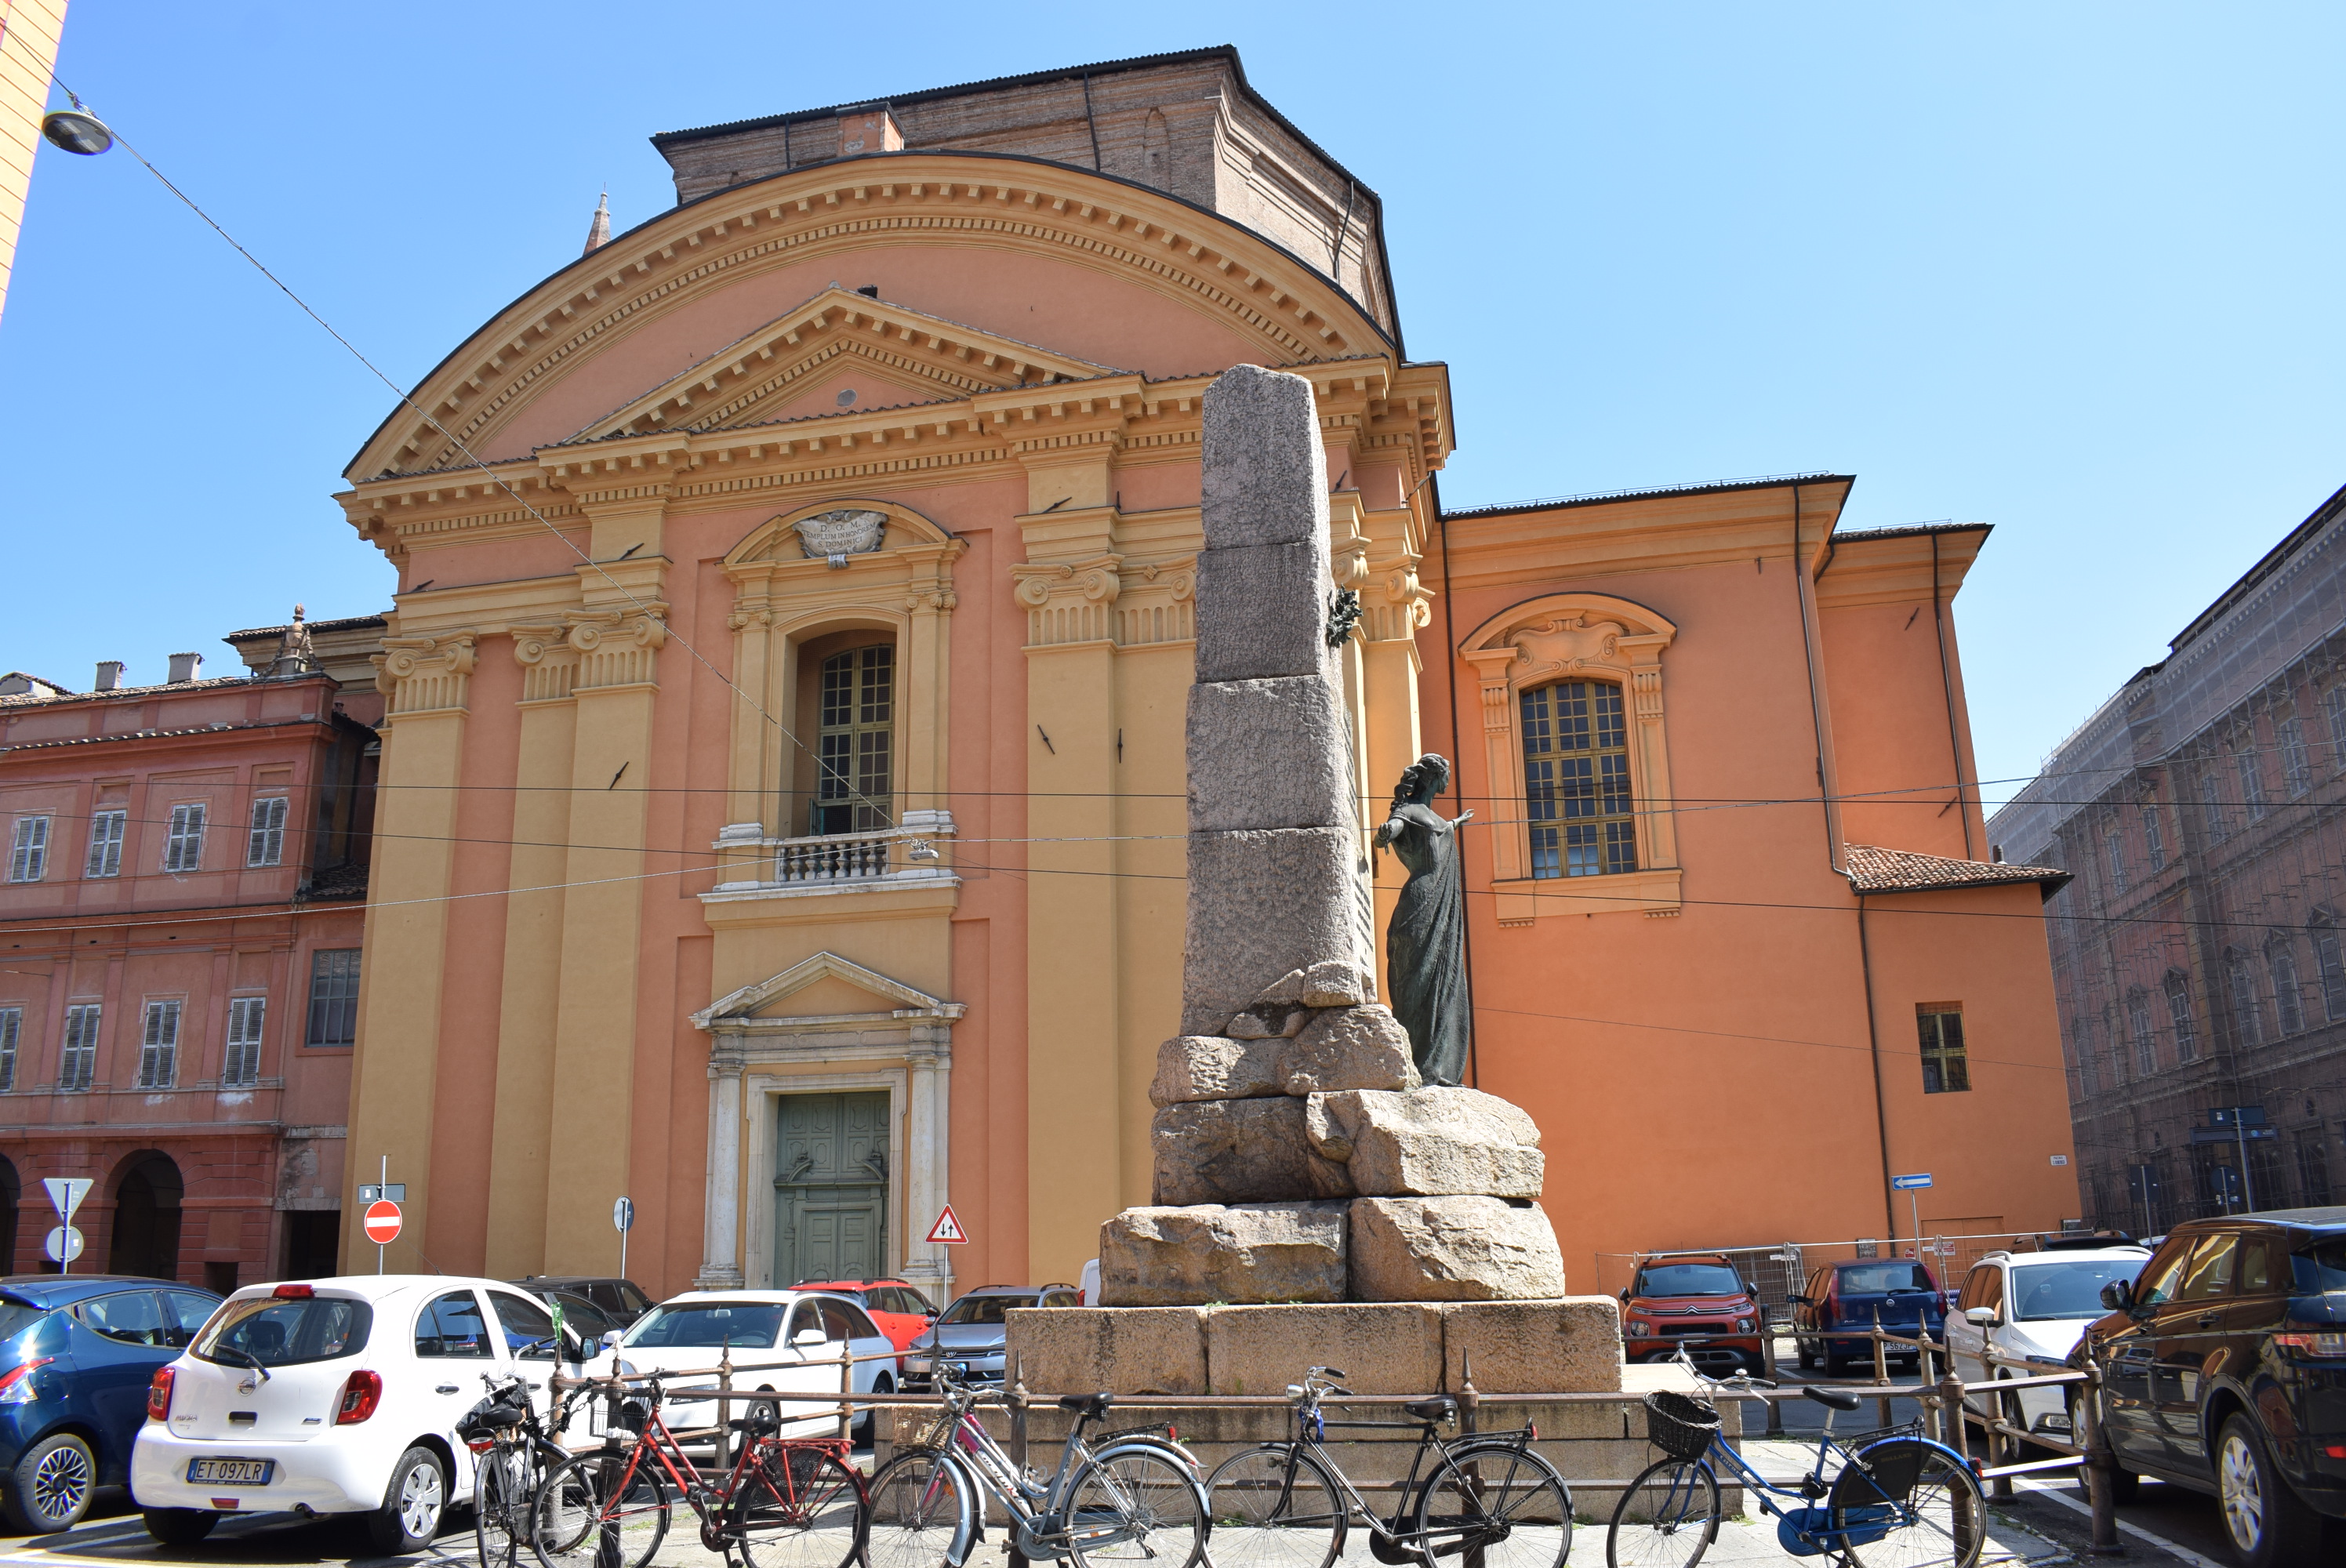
830	1187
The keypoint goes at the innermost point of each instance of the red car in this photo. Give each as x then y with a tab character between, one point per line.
900	1311
1701	1297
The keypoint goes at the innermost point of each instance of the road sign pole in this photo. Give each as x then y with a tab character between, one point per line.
385	1180
1914	1207
2247	1192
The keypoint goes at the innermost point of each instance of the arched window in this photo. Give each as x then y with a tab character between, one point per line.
2333	968
1576	779
2179	1015
2289	1001
2248	1013
857	696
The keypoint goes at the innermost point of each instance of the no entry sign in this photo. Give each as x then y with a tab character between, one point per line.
383	1222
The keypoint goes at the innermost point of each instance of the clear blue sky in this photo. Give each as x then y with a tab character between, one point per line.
2071	271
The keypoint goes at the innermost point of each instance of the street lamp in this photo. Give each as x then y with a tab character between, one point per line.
77	130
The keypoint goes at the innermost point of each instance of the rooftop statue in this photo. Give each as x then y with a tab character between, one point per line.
1426	944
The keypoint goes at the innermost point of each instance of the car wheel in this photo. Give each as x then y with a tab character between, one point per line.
870	1424
180	1526
1803	1354
2268	1524
50	1487
411	1505
1836	1364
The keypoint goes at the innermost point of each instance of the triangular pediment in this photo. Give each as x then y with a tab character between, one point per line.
836	337
823	986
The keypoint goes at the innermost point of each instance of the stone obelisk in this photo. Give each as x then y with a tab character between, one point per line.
1297	1158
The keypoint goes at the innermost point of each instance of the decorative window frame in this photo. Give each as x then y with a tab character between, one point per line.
1558	636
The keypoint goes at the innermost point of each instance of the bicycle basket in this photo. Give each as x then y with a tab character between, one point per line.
1680	1425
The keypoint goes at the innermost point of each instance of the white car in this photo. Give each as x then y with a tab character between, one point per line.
337	1396
784	1340
2032	1304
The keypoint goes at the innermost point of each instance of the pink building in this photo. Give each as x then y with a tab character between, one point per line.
179	920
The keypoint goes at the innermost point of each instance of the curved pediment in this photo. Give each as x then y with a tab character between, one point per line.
1155	275
759	376
834	527
1558	634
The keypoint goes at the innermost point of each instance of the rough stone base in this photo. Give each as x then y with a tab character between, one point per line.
1262	904
1453	1249
1170	1256
1238	1151
1569	1345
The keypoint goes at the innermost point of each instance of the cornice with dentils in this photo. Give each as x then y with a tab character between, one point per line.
1403	408
1272	298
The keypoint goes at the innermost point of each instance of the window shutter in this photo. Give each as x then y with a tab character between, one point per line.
265	844
12	1023
28	857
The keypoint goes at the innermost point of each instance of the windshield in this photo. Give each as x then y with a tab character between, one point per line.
1688	1279
982	1308
281	1333
708	1326
2322	1266
15	1317
2074	1289
1881	1278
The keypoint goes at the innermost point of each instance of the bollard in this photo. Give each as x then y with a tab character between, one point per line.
2100	1465
1950	1398
1767	1370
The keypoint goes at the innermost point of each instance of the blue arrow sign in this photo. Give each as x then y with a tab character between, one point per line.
1921	1178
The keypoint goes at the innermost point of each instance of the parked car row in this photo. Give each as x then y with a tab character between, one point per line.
340	1397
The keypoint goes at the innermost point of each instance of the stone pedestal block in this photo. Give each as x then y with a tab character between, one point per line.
1251	1252
1264	471
1262	611
1383	1349
1211	1067
1453	1249
1238	1150
1348	1048
1428	1142
1567	1346
1131	1351
1271	754
1263	903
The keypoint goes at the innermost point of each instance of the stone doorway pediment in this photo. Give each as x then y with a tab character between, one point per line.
826	987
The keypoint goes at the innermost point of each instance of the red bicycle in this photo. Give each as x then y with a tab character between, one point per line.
787	1502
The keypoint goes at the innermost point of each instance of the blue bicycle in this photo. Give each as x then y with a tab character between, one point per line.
1887	1499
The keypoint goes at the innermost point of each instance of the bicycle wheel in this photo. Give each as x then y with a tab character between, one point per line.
1275	1507
1504	1504
798	1507
1666	1518
1906	1502
921	1505
1136	1505
598	1511
501	1489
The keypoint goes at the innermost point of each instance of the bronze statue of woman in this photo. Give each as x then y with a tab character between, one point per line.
1425	943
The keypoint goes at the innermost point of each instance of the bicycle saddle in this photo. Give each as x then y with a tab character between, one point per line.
1832	1399
1090	1405
1440	1408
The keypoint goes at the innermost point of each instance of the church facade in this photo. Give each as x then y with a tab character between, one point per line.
783	790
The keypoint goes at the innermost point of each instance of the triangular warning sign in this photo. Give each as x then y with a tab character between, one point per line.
947	1228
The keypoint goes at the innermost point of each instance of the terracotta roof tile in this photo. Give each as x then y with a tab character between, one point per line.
1874	870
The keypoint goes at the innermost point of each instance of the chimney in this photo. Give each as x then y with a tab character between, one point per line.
110	674
186	666
871	130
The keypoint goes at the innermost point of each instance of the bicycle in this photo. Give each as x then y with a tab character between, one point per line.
1136	1498
1487	1497
513	1455
787	1502
1891	1498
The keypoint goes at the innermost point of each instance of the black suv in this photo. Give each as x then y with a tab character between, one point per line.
621	1300
2224	1370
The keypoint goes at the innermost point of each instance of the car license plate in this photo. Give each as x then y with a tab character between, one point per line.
231	1472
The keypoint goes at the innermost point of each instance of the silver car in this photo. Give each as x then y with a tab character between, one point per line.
969	1338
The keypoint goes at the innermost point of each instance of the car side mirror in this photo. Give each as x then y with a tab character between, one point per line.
806	1337
2117	1295
1986	1317
1798	1300
611	1339
1625	1297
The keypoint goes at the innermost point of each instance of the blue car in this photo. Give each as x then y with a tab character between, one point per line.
76	1354
1899	1293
